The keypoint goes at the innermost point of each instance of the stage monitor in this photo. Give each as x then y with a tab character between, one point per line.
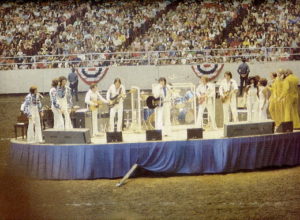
153	135
116	136
286	126
194	133
248	128
71	136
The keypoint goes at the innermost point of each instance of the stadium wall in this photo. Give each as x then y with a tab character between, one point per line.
19	81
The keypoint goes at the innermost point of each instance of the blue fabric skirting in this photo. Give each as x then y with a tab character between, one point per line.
197	156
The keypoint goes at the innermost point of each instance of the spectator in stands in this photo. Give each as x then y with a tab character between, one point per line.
73	80
243	70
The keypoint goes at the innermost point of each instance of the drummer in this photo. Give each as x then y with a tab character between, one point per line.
205	95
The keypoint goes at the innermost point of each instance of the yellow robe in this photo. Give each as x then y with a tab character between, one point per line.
272	101
290	98
275	104
279	111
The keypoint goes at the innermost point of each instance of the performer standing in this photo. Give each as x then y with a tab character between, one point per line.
163	111
93	99
73	79
289	96
64	99
272	98
116	94
244	71
264	95
33	109
55	107
279	104
251	93
228	90
205	93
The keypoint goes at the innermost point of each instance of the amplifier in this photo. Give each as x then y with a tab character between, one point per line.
72	136
286	126
153	135
194	133
248	128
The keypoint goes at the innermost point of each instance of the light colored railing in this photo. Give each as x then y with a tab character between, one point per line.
150	58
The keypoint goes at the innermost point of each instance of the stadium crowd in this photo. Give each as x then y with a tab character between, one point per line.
59	34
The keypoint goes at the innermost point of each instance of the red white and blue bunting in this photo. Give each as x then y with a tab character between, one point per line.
92	75
211	71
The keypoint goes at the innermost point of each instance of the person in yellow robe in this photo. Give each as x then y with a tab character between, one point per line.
289	96
276	105
272	98
279	104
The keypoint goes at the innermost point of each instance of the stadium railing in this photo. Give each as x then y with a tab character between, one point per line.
151	58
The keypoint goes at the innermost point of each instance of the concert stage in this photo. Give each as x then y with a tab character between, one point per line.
175	154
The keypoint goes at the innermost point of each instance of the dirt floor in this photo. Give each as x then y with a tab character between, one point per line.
265	194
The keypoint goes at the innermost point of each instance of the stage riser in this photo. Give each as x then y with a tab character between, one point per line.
188	157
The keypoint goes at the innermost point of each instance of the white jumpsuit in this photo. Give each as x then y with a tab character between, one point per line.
207	90
90	98
117	108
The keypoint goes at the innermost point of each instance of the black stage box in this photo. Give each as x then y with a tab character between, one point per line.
114	136
285	127
194	133
71	136
153	135
248	128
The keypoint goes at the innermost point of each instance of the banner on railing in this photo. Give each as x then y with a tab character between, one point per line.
92	75
210	70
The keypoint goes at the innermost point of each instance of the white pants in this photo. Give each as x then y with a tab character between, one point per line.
68	123
230	105
58	118
262	113
163	118
34	132
95	121
252	111
118	108
64	109
210	111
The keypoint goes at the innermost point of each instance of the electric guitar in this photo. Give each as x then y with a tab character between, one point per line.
226	96
117	98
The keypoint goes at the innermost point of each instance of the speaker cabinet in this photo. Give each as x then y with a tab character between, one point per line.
248	128
72	136
114	137
285	127
153	135
194	133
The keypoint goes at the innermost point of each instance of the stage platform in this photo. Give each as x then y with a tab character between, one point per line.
174	154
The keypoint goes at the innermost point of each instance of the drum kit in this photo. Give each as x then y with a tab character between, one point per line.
181	110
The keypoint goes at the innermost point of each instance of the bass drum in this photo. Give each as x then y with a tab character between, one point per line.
149	118
186	116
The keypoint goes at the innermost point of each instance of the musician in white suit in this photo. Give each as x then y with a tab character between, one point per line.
33	110
116	95
93	99
64	99
55	107
206	93
162	112
227	90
